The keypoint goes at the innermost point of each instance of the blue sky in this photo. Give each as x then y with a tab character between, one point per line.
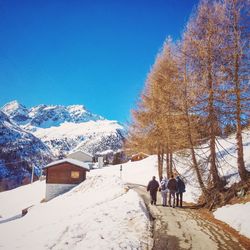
91	52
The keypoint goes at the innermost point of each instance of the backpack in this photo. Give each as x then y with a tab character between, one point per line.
181	186
163	186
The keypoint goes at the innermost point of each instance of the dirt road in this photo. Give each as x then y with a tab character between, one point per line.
184	228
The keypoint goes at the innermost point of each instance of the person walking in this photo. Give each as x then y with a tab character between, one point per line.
180	190
172	186
164	191
152	187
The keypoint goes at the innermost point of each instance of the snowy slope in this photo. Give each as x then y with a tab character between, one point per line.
237	216
88	136
19	150
227	163
97	214
13	201
132	172
17	112
65	128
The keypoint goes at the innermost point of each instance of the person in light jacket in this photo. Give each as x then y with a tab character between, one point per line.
164	191
152	187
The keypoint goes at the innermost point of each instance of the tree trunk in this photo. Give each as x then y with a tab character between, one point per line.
194	160
160	161
167	162
212	121
190	137
240	154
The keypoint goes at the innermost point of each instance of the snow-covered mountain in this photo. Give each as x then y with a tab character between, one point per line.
19	151
91	136
64	128
46	116
56	128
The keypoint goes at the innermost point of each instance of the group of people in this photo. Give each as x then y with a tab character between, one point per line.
171	189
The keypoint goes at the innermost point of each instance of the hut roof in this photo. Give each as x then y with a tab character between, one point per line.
140	153
80	151
71	161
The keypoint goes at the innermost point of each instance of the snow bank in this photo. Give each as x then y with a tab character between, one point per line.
141	172
97	214
13	201
236	216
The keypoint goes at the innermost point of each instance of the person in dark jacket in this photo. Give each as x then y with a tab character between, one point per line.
172	187
180	190
152	187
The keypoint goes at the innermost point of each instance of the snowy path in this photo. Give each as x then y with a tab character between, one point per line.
176	228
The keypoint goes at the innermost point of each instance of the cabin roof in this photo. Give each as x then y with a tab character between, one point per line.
140	153
79	151
71	161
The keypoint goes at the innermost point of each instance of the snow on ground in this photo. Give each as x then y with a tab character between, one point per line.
227	163
139	172
13	201
237	216
98	214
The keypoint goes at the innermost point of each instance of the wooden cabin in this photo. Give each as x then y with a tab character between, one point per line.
63	175
139	156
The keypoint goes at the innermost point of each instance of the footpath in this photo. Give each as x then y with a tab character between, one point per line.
186	228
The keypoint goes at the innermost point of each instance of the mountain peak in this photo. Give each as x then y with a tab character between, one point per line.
76	107
12	106
16	111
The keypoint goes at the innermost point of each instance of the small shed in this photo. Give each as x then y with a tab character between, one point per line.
80	156
139	156
63	175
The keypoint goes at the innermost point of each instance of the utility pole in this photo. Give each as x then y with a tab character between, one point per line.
32	174
121	171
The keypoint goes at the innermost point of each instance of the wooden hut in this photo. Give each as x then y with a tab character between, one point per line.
63	175
139	156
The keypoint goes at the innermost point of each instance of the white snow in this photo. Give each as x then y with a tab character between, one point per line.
72	161
101	213
13	201
84	129
11	106
237	216
227	167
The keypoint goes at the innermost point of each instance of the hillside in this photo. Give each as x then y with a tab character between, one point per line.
19	151
63	128
97	214
34	136
101	213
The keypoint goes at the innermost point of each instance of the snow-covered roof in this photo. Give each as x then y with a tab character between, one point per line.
140	153
79	151
69	160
